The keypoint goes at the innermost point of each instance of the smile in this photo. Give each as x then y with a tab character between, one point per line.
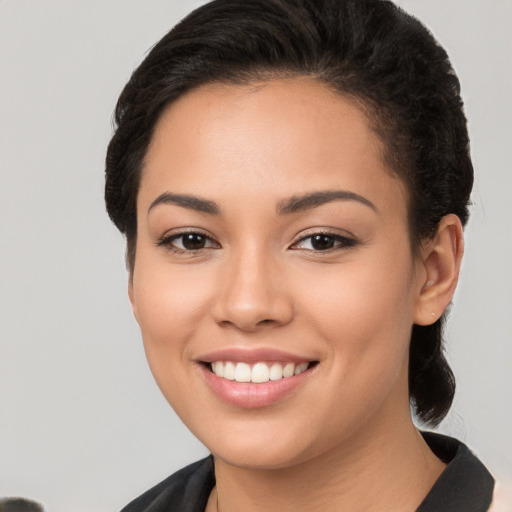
258	373
254	378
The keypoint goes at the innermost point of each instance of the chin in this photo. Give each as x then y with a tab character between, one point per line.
261	445
256	458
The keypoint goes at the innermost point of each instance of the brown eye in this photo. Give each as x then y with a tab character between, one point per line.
193	241
323	242
188	242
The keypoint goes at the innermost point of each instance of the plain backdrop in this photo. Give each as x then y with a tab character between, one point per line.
83	426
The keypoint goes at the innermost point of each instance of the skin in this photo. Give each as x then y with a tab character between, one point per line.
344	439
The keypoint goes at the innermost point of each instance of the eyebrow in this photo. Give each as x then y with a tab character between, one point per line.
315	199
288	206
187	201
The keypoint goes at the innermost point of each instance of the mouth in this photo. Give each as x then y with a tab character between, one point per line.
252	379
259	372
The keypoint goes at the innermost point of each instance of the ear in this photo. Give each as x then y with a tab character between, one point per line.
131	296
441	259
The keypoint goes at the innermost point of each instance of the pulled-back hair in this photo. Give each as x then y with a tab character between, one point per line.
369	50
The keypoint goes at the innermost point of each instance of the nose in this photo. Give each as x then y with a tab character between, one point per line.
252	294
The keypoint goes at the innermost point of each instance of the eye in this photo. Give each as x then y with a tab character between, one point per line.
188	242
322	242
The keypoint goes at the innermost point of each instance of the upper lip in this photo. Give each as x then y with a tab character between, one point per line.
240	355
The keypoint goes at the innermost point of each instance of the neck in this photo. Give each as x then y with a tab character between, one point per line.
380	469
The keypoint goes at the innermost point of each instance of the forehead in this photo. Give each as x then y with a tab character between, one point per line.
285	136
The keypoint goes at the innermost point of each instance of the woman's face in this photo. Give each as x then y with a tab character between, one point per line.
272	237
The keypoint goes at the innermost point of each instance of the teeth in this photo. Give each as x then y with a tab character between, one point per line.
300	368
229	371
289	370
276	372
243	372
218	368
258	373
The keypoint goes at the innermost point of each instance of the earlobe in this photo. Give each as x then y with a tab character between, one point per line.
441	259
131	296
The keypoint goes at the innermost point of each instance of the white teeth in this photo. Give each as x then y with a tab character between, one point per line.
243	372
218	368
276	372
258	373
289	370
300	368
229	371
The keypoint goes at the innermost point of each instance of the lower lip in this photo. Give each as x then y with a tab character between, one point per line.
249	395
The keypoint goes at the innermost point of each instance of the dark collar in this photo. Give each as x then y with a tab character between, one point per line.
464	486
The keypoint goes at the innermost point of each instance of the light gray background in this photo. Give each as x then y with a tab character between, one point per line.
83	426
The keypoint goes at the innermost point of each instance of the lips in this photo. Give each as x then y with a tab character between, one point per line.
254	378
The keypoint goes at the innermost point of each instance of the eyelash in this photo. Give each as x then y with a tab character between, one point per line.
340	242
167	242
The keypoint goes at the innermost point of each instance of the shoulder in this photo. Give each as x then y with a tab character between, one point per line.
188	489
502	497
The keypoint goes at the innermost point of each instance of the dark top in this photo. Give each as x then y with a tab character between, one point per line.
464	486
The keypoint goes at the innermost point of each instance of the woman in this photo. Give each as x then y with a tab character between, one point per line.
292	178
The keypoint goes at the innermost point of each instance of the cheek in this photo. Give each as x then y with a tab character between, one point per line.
364	291
364	311
169	305
170	308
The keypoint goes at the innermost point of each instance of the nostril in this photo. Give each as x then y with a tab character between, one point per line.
251	312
